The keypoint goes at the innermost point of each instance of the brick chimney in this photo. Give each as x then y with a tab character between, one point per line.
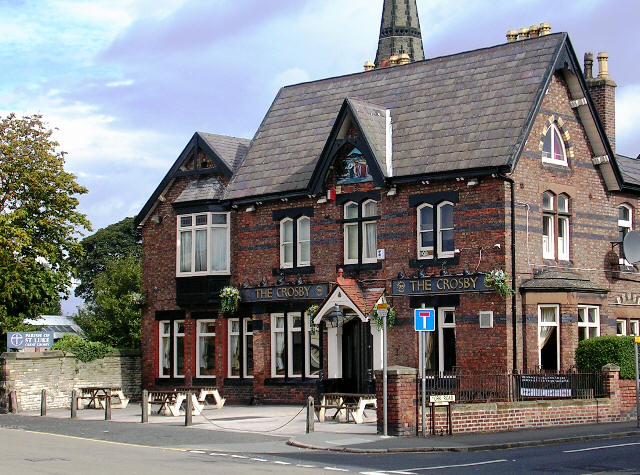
603	92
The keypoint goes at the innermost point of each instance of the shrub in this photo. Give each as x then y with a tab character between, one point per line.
83	350
594	353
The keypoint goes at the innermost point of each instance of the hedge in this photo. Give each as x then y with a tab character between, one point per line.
83	350
594	353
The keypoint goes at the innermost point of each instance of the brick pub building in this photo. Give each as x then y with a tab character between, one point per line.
402	184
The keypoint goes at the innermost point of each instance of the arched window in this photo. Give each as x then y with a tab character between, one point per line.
295	242
553	150
445	229
425	231
286	243
625	224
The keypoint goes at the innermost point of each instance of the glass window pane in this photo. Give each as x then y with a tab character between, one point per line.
426	239
371	240
546	145
201	251
351	231
219	249
563	204
165	357
558	151
279	352
314	351
548	315
180	328
593	314
447	241
426	219
351	211
305	252
248	325
165	328
287	231
581	315
218	218
370	208
297	352
449	317
288	253
280	322
179	355
446	216
235	326
207	356
185	221
296	321
304	225
201	220
185	251
207	327
547	201
248	347
234	354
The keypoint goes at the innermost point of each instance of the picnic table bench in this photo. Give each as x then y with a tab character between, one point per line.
96	395
170	401
347	405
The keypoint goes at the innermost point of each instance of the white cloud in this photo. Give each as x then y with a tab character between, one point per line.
290	76
125	82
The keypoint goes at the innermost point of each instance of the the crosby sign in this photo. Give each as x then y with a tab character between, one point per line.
440	285
285	292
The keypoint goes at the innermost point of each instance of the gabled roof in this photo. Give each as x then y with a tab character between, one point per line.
453	114
225	152
630	170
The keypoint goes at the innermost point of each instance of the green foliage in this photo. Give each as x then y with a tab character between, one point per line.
497	280
83	350
391	318
117	240
39	224
229	300
594	353
113	316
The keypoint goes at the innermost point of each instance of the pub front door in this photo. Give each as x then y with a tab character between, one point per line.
357	358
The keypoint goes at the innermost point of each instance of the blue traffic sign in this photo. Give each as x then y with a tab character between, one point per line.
424	319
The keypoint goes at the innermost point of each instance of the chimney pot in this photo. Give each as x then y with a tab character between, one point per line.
588	65
512	35
545	28
523	34
404	58
393	60
534	31
603	65
368	66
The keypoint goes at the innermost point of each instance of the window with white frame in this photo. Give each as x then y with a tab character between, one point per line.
295	242
164	358
435	230
549	337
295	346
555	226
240	333
178	349
203	244
206	348
553	149
621	327
446	338
588	322
625	224
360	232
634	327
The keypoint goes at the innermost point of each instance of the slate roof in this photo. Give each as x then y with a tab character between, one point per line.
208	188
230	149
560	281
630	168
466	111
373	121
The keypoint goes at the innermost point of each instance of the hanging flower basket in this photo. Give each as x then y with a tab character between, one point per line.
497	280
391	318
311	311
230	299
137	298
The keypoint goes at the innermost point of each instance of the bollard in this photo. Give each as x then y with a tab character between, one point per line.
74	404
188	421
13	402
310	415
107	405
145	406
43	403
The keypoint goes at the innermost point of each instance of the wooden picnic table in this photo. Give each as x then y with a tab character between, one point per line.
202	393
96	396
347	405
170	401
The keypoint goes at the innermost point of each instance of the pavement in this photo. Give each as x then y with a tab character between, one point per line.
280	428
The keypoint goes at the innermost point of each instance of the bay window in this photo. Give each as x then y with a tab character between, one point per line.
203	244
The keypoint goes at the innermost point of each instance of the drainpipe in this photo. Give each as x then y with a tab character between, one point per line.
514	302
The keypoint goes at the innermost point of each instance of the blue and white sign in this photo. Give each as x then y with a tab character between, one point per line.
21	340
424	319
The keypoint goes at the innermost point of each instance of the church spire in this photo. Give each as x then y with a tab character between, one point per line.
399	31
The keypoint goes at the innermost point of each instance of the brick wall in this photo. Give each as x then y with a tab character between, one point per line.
29	373
405	418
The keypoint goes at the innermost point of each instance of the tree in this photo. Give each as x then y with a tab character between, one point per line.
112	316
117	240
39	224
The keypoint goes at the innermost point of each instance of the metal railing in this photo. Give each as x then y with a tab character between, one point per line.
505	387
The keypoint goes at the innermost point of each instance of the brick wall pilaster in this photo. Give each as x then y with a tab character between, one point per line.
401	398
611	386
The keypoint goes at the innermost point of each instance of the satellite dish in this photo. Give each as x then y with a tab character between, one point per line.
631	247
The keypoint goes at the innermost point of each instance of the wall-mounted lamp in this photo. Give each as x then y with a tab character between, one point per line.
472	182
251	209
156	219
392	191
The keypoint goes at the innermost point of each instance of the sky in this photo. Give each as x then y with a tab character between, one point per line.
126	83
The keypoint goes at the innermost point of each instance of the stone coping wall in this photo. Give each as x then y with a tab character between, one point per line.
404	416
29	373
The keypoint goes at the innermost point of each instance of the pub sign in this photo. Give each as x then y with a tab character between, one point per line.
285	292
446	284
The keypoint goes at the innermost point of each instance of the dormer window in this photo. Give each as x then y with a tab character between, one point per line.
553	149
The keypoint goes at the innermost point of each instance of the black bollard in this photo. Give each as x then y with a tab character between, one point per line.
188	417
145	406
74	404
310	415
43	403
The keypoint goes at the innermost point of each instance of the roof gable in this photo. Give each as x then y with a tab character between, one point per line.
369	122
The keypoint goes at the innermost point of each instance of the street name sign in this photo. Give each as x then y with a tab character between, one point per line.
424	319
442	398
